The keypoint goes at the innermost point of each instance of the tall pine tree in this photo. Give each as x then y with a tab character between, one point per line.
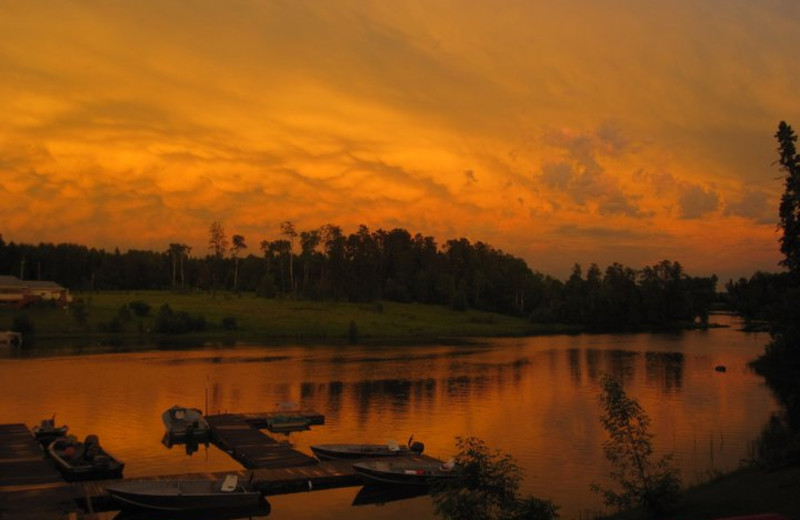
790	201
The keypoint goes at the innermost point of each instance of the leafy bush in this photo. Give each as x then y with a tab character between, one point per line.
352	333
229	323
80	314
23	324
170	322
115	325
140	308
124	313
487	487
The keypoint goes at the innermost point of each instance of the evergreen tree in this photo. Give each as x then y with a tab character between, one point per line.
790	201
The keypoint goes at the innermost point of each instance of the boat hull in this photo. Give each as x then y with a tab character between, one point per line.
411	474
101	466
356	451
46	436
182	495
185	424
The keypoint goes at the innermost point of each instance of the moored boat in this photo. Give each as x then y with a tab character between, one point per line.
47	431
185	423
361	451
405	471
85	460
185	495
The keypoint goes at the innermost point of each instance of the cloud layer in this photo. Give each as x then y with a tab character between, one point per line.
580	132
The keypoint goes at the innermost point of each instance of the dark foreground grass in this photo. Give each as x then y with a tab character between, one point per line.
747	491
253	319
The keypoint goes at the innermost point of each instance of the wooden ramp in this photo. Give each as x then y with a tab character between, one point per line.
233	434
30	486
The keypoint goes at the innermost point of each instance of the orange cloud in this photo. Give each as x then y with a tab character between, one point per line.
557	133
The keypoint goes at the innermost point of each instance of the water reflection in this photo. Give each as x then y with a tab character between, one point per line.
263	511
190	444
534	398
378	495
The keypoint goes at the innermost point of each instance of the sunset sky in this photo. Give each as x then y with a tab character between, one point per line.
559	132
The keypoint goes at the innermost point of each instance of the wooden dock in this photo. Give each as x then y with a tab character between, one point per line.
242	440
276	481
30	486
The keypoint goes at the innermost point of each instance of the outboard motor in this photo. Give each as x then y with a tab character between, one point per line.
417	447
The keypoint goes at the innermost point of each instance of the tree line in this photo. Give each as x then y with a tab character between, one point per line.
365	266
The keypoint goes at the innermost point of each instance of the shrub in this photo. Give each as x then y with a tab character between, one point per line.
487	487
629	447
23	324
352	333
170	322
229	323
140	308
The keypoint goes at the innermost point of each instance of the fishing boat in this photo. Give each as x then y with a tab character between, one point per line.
405	471
85	460
47	431
185	423
361	451
185	495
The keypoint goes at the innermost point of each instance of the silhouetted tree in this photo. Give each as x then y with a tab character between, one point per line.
238	245
287	229
790	200
218	247
629	448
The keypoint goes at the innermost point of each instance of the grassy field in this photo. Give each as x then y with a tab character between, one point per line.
259	319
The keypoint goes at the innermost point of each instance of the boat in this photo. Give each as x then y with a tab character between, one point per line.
361	451
85	460
288	423
288	418
191	445
405	471
47	431
10	338
185	423
185	495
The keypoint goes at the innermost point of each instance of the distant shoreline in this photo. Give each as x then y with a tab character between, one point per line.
131	318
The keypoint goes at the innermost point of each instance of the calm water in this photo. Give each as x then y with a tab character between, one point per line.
535	398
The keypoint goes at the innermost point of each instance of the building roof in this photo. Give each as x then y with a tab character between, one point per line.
14	282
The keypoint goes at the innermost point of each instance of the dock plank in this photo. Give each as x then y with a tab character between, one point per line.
243	441
30	486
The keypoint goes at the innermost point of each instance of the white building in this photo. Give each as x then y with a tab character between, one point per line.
20	293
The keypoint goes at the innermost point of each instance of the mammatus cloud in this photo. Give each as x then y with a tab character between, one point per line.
627	133
697	201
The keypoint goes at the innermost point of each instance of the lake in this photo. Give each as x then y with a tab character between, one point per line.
533	398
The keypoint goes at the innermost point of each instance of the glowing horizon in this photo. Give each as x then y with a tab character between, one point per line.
572	133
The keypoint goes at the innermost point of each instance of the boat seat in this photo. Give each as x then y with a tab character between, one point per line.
229	484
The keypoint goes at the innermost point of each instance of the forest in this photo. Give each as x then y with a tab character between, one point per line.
365	266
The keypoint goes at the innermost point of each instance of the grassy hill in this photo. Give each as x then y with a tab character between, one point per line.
112	316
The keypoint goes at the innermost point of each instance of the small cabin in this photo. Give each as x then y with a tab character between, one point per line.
20	293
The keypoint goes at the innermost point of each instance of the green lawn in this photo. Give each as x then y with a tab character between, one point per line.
259	319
